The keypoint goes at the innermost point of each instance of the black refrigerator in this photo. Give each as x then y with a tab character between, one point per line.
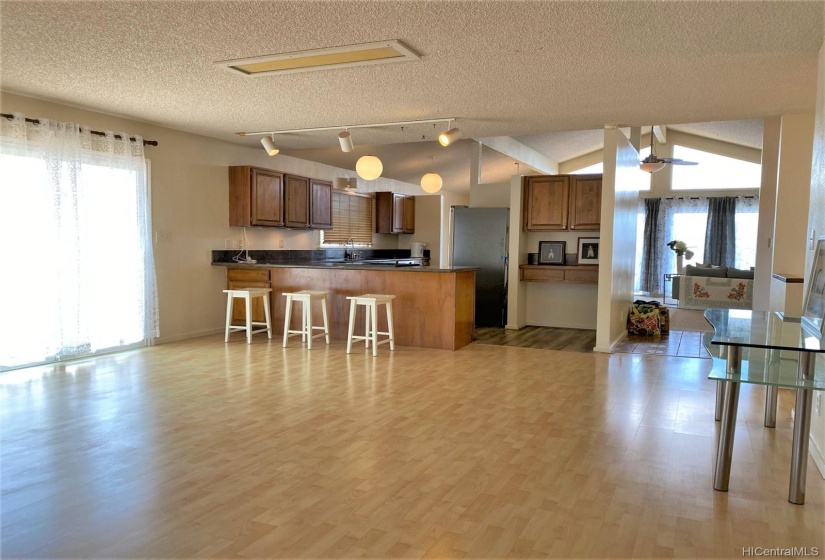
480	239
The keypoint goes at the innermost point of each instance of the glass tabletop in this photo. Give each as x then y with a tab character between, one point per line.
762	366
761	329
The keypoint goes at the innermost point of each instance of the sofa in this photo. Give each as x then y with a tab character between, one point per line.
705	286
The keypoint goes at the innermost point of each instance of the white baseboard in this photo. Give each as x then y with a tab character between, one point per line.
514	327
610	349
566	325
187	336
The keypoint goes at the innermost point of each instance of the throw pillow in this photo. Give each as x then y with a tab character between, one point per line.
739	273
700	265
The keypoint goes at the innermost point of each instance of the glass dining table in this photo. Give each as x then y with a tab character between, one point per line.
764	348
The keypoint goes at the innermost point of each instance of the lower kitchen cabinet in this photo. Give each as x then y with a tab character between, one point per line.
238	278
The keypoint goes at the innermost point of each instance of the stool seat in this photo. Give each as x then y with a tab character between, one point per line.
247	294
371	332
306	297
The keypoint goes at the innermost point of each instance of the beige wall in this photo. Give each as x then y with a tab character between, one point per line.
189	184
617	249
490	196
816	222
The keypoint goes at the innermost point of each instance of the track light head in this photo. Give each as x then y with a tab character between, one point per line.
346	141
269	145
447	138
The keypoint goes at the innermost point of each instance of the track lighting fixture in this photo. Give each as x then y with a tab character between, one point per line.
369	167
447	138
269	145
346	141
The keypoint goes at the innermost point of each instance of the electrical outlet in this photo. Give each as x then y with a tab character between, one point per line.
228	244
239	244
161	236
281	244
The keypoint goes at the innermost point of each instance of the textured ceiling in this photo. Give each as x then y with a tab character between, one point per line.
503	68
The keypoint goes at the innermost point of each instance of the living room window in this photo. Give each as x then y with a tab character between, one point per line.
352	218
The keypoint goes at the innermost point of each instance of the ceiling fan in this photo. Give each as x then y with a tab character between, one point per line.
652	163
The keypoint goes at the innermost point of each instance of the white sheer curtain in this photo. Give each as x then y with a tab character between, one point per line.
75	234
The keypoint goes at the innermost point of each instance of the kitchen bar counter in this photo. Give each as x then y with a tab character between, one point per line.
347	265
433	307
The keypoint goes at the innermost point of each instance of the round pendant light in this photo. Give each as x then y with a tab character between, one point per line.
369	167
431	182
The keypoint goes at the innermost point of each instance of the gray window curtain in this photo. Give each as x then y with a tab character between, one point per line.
653	241
720	233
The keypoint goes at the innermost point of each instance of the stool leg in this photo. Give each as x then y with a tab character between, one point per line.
303	321
268	317
287	317
368	314
248	303
351	326
374	313
389	325
308	322
326	322
229	300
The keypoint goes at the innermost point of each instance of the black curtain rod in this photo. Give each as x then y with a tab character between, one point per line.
95	132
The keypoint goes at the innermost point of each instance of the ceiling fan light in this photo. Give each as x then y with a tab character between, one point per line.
652	166
269	145
369	167
431	182
447	138
346	141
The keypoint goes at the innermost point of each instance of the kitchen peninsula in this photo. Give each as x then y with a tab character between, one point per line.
433	308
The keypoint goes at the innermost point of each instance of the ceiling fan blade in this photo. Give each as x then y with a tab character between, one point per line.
679	161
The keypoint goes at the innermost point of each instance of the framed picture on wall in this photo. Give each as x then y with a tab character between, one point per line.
813	317
588	250
552	252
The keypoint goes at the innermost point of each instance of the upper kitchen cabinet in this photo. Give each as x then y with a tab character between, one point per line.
545	203
320	204
262	197
562	202
394	213
255	197
585	210
296	201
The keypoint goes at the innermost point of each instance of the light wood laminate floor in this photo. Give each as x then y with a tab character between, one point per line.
205	449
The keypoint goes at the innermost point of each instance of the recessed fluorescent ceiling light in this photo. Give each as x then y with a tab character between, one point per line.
322	59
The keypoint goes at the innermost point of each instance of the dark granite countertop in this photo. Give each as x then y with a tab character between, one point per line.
330	258
346	265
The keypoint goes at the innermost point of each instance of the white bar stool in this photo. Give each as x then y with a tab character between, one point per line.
247	294
371	303
306	297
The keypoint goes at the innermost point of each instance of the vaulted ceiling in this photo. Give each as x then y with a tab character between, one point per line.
528	70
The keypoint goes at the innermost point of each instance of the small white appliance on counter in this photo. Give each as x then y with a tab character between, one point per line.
417	250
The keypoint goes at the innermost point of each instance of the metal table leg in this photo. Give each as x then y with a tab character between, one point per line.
770	406
724	453
801	430
720	399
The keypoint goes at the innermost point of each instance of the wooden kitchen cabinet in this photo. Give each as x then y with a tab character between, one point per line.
237	278
545	203
320	204
296	201
562	202
581	274
585	206
263	197
394	213
255	197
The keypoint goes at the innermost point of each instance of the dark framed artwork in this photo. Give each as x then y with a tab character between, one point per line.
813	315
552	252
588	250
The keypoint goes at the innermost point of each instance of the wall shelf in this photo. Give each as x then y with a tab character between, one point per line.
580	274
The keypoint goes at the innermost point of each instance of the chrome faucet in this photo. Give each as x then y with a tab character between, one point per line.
351	255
